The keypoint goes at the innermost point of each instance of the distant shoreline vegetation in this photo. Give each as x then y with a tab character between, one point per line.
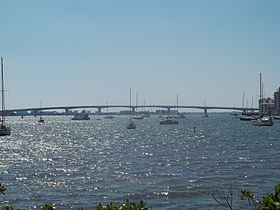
269	202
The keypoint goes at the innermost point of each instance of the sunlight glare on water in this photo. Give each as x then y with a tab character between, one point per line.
81	163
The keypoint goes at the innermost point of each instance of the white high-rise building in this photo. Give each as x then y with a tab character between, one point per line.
277	102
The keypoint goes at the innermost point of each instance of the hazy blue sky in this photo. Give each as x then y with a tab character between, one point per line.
66	52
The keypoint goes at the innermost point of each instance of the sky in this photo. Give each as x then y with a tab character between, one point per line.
90	52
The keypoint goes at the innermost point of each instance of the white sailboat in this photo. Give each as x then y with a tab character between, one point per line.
41	120
4	130
137	116
179	115
170	120
107	115
131	124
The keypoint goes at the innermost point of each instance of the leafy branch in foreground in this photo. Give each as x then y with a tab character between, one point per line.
269	202
2	189
224	198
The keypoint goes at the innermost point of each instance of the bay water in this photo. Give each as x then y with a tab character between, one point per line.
81	163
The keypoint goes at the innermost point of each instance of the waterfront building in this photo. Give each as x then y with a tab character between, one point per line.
277	101
266	106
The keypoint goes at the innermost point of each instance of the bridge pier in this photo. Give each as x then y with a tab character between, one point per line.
66	111
205	113
99	110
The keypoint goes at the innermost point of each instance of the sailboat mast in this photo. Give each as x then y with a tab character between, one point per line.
136	101
130	99
177	103
261	92
2	91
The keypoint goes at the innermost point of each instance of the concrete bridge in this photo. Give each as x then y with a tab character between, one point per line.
100	107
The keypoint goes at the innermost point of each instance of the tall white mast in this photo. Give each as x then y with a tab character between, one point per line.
261	88
2	91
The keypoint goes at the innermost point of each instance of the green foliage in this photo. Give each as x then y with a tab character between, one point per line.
9	208
269	202
249	196
2	189
48	206
127	205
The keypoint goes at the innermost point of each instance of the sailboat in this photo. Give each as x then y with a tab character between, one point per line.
131	124
107	115
170	120
41	120
179	115
4	130
137	117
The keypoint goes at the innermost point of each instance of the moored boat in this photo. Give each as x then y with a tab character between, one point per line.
131	124
109	117
4	130
81	116
41	120
247	118
138	117
263	121
168	121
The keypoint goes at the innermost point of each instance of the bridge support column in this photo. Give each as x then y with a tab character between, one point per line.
205	113
133	110
66	111
99	110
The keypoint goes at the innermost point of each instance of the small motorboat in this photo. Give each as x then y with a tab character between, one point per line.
131	125
139	117
41	120
263	121
168	121
81	116
248	118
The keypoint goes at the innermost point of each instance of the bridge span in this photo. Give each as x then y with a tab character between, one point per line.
133	107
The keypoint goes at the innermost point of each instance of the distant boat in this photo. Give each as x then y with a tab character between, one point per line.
168	121
109	117
81	116
131	124
276	117
180	115
107	114
4	130
263	121
41	120
137	116
247	118
146	115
